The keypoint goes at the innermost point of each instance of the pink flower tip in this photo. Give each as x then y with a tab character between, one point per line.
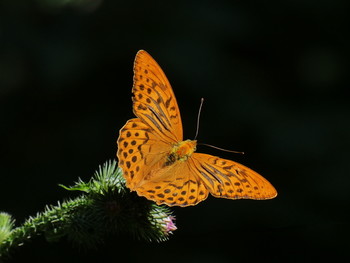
169	224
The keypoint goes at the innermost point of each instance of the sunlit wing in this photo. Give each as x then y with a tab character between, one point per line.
139	150
154	100
174	185
228	179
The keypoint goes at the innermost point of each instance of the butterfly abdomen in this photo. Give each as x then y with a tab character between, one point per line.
181	151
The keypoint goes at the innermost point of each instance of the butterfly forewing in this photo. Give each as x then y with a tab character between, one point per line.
154	100
229	179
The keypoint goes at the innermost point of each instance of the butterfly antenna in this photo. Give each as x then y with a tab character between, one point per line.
198	117
221	149
212	146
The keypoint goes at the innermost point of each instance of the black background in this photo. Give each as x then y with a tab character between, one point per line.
274	78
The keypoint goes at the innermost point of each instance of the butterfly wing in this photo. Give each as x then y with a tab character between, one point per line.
174	185
228	179
144	158
145	141
154	100
139	150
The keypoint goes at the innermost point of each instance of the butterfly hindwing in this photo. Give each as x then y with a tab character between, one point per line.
175	185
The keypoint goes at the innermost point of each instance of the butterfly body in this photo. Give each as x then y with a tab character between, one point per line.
181	151
159	165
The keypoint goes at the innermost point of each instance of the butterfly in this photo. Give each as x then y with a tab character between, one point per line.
159	165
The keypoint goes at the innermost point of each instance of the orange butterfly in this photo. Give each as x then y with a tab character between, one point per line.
158	164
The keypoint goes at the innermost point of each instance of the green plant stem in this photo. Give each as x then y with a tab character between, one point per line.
105	207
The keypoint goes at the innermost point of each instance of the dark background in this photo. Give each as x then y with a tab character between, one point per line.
274	76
